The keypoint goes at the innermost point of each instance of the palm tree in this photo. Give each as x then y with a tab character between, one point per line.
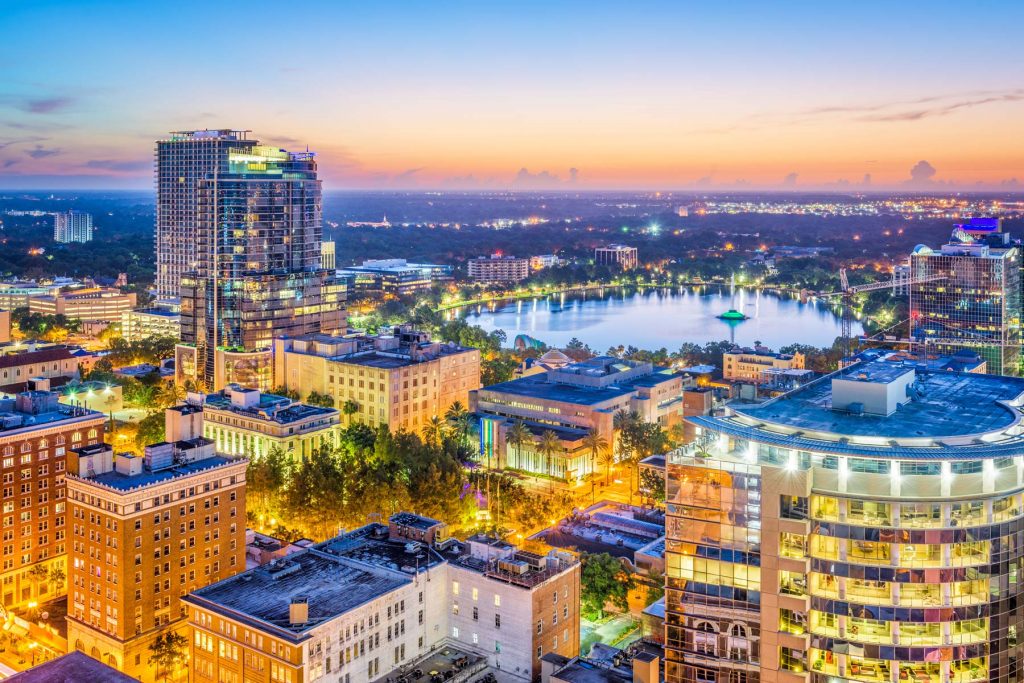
596	444
458	417
547	446
433	430
607	458
349	408
517	436
170	394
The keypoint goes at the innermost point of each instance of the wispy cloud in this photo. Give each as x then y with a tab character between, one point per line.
47	105
8	142
40	152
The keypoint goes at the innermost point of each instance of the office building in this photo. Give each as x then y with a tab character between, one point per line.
394	276
89	304
543	261
145	532
754	364
328	258
616	256
967	295
498	269
5	326
400	379
862	527
150	323
570	401
36	433
72	226
16	293
361	605
238	240
247	422
901	279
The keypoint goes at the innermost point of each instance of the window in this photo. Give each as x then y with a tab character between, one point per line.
793	507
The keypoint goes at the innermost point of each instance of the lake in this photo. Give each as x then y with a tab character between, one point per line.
661	317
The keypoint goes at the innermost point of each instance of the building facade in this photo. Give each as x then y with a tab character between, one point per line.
72	226
863	527
967	295
394	276
400	379
360	606
747	364
149	323
498	269
36	434
145	532
570	401
616	256
90	304
239	234
19	368
247	422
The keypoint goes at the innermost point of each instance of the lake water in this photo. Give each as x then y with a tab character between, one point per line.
656	318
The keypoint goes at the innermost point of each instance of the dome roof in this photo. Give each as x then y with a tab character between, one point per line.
554	356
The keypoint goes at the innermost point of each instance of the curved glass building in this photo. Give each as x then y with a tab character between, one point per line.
867	526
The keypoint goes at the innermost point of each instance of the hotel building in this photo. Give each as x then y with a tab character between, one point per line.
238	239
865	527
967	295
36	433
246	422
361	605
145	531
570	400
400	379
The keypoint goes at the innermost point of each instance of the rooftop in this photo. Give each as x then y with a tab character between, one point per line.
946	415
124	482
331	586
76	667
538	386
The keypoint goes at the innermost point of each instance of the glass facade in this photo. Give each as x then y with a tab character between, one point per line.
836	556
238	239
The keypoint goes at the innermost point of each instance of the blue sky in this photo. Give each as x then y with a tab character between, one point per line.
653	95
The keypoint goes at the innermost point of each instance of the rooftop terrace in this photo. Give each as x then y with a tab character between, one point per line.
124	482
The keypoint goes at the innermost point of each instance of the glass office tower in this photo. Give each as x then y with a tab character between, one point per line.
967	295
238	242
866	527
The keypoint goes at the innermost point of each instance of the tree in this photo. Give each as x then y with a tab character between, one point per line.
287	393
315	398
151	430
652	485
604	580
348	409
596	444
38	575
57	578
458	417
167	653
265	478
433	431
548	445
517	436
170	394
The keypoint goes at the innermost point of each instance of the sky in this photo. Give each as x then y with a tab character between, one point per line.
524	95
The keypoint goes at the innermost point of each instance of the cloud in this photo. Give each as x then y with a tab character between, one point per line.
40	152
11	162
574	174
7	142
525	179
922	173
944	108
119	165
789	180
408	173
47	105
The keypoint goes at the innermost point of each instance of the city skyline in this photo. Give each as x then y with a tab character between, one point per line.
538	97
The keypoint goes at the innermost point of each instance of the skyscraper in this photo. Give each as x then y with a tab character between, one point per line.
72	226
968	295
238	242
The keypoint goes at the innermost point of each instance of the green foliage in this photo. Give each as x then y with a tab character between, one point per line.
40	326
287	393
604	580
317	399
150	350
652	485
168	652
151	429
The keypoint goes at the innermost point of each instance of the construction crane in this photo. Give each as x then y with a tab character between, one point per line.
847	293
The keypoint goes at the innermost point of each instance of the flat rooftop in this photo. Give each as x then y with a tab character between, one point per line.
948	404
123	482
537	386
331	586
